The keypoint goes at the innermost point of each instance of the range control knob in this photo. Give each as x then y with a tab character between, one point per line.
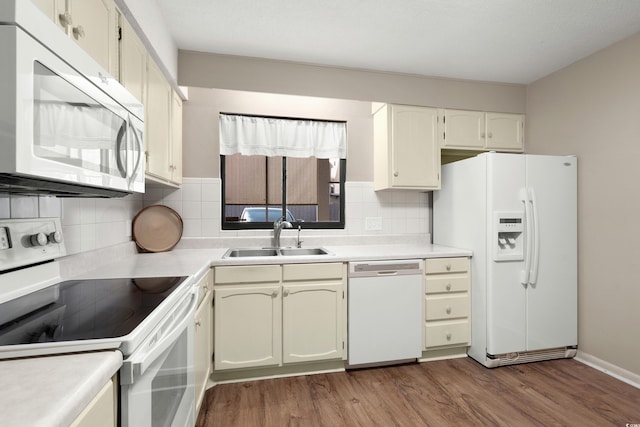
39	239
55	237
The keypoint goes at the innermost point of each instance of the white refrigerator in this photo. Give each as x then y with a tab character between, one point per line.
518	213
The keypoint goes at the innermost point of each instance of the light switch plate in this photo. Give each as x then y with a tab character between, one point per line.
373	223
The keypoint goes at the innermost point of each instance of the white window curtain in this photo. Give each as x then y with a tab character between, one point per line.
271	137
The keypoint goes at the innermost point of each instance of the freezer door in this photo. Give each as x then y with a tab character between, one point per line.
506	296
552	296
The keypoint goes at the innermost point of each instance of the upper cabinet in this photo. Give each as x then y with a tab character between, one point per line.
91	23
176	138
163	125
406	152
158	105
133	61
476	130
99	28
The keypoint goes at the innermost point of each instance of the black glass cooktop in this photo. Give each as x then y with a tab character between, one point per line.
83	309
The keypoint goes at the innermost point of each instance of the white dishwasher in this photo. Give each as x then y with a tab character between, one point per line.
385	314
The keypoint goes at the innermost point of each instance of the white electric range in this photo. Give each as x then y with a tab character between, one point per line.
149	319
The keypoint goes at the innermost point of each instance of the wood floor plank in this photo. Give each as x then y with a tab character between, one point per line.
456	392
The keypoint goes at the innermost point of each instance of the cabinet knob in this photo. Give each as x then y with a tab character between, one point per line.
448	287
274	293
490	134
448	336
396	173
448	310
448	267
78	32
65	19
198	324
285	292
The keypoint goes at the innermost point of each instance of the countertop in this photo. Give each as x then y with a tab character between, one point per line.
52	391
196	261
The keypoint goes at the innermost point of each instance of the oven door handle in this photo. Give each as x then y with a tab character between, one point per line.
140	362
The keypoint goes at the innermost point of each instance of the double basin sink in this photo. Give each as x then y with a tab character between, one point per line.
269	252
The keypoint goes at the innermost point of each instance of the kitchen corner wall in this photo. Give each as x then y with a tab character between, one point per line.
87	224
591	109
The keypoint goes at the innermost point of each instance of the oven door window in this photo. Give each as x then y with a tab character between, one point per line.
169	385
164	394
71	127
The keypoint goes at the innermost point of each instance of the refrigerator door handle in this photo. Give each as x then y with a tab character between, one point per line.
533	277
524	275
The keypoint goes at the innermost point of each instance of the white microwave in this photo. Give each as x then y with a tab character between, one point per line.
67	127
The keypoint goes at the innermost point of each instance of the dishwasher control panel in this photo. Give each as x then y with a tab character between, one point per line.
385	268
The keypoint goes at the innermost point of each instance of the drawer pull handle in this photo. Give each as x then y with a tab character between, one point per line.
448	286
448	310
448	336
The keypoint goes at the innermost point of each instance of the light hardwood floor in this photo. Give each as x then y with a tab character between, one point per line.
458	392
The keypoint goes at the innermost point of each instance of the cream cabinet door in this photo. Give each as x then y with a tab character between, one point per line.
133	61
415	157
157	123
93	26
51	8
505	131
176	138
464	129
406	153
102	410
203	337
312	322
248	326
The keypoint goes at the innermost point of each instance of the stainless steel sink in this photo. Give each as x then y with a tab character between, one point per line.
303	251
269	252
250	252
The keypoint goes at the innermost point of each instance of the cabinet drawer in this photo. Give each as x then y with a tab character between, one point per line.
447	307
447	265
448	283
447	333
247	274
319	271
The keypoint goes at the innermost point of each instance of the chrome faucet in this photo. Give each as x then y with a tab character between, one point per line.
278	225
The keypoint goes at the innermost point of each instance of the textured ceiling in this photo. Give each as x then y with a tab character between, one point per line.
512	41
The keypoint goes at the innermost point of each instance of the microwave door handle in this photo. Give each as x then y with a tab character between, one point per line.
138	140
122	132
139	365
139	151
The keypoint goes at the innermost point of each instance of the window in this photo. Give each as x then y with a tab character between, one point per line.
260	184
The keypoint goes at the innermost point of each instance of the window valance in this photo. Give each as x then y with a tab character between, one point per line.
273	136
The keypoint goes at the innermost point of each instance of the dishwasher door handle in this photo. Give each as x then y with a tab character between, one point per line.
387	273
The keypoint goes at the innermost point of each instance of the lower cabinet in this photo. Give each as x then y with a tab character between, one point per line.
312	309
447	304
270	315
102	411
203	337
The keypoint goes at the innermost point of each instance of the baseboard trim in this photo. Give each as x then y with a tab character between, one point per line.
609	369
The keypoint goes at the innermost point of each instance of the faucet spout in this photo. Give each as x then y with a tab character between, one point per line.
278	225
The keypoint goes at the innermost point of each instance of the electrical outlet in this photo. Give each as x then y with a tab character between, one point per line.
373	223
